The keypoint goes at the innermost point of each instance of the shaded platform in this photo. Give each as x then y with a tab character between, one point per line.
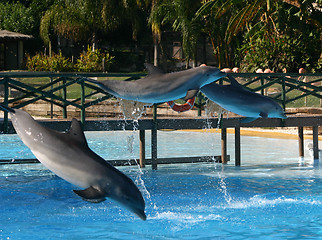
131	162
196	123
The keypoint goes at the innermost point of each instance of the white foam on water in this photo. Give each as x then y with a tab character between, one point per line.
186	217
261	202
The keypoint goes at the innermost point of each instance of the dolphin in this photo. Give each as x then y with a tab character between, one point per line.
159	87
237	99
68	156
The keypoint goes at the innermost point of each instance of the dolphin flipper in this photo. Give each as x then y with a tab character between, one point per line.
91	194
153	70
190	94
263	114
233	82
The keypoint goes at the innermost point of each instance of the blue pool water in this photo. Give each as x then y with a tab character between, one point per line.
271	196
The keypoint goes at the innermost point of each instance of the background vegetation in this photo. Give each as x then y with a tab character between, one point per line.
250	34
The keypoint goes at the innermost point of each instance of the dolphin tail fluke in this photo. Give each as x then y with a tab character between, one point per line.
91	80
7	109
91	194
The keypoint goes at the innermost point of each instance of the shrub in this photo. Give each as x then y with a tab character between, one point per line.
55	63
92	61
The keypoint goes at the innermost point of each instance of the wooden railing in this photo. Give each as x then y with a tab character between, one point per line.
287	88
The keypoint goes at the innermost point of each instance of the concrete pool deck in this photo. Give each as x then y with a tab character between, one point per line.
288	133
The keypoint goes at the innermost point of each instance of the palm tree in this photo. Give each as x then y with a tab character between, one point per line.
83	19
216	16
180	14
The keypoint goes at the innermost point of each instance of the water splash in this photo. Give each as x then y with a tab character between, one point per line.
213	110
223	188
130	143
133	110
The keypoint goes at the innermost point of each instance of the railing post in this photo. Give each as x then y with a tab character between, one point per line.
82	83
262	89
224	145
154	139
283	94
301	142
51	100
142	148
6	101
315	142
237	146
65	98
199	104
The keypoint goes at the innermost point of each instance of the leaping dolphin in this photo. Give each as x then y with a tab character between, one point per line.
158	87
68	156
237	99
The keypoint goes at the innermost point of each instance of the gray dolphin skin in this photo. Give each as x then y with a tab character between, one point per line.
237	99
159	87
68	156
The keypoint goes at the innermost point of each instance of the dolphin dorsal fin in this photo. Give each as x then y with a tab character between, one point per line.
76	132
153	70
233	81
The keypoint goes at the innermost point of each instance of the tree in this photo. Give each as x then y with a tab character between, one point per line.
84	19
277	31
180	14
17	18
292	38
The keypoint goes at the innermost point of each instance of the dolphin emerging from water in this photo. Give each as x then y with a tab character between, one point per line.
158	87
237	99
68	156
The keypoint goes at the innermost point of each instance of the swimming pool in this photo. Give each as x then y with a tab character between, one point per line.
271	196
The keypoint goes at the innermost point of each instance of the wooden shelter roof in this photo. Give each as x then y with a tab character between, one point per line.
4	34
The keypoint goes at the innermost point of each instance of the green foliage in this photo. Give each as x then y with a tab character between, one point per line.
277	53
92	61
17	18
55	63
181	14
288	41
85	19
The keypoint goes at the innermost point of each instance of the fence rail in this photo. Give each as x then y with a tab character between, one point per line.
286	89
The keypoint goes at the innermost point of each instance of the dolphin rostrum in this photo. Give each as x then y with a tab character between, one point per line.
237	99
158	87
68	156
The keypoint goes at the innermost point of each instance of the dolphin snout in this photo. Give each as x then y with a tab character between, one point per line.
140	214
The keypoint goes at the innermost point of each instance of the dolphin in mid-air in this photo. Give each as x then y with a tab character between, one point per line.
68	156
159	87
237	99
